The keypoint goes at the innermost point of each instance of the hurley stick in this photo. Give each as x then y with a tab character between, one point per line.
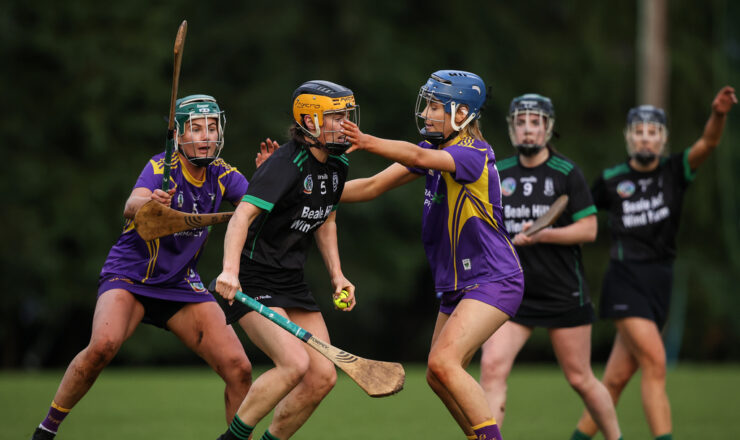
154	220
548	218
376	378
170	143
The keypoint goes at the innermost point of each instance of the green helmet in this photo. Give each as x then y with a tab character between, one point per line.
194	107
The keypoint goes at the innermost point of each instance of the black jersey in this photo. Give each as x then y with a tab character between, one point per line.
297	194
553	274
644	208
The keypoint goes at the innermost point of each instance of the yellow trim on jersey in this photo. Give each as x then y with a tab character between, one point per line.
158	166
466	201
128	226
229	169
189	177
153	247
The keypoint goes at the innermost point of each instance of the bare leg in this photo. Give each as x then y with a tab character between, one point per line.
117	314
440	390
497	359
643	339
620	368
202	328
291	364
295	408
457	339
572	347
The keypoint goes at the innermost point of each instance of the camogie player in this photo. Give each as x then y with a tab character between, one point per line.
476	270
643	198
292	198
555	294
156	281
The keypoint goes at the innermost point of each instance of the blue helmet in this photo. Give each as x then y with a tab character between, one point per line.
531	103
452	88
646	113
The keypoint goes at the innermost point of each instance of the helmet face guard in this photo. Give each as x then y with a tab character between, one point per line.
521	110
452	89
646	125
327	104
190	109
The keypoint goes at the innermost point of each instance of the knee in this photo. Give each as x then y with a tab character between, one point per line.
324	379
432	380
580	380
295	368
438	369
493	372
654	367
101	351
616	383
237	372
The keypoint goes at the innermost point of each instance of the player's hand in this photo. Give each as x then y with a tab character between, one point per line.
354	136
227	284
724	100
162	197
266	149
522	240
341	283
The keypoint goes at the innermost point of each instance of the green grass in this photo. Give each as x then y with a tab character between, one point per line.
187	404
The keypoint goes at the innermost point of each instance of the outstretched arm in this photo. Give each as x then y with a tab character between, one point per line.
326	240
709	140
368	188
402	152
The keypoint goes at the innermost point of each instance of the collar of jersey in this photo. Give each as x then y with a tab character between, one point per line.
192	180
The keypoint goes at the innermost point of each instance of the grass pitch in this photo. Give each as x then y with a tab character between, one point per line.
187	404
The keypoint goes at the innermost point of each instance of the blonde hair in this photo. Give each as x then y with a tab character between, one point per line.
473	130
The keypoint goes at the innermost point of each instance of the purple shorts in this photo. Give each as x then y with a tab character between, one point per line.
189	289
505	295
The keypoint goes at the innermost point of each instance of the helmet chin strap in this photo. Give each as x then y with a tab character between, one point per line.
644	157
436	138
454	107
528	150
200	162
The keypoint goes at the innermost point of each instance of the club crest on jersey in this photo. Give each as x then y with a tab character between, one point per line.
625	188
549	187
466	264
508	186
335	181
180	199
645	183
308	185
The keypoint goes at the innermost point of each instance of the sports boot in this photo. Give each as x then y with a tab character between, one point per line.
42	434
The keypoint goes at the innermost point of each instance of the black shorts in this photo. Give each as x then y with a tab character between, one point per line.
580	315
637	288
158	311
272	287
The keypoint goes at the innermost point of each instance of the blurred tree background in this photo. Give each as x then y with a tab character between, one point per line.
87	87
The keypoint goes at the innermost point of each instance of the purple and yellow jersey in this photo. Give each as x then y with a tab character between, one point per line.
169	263
462	227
